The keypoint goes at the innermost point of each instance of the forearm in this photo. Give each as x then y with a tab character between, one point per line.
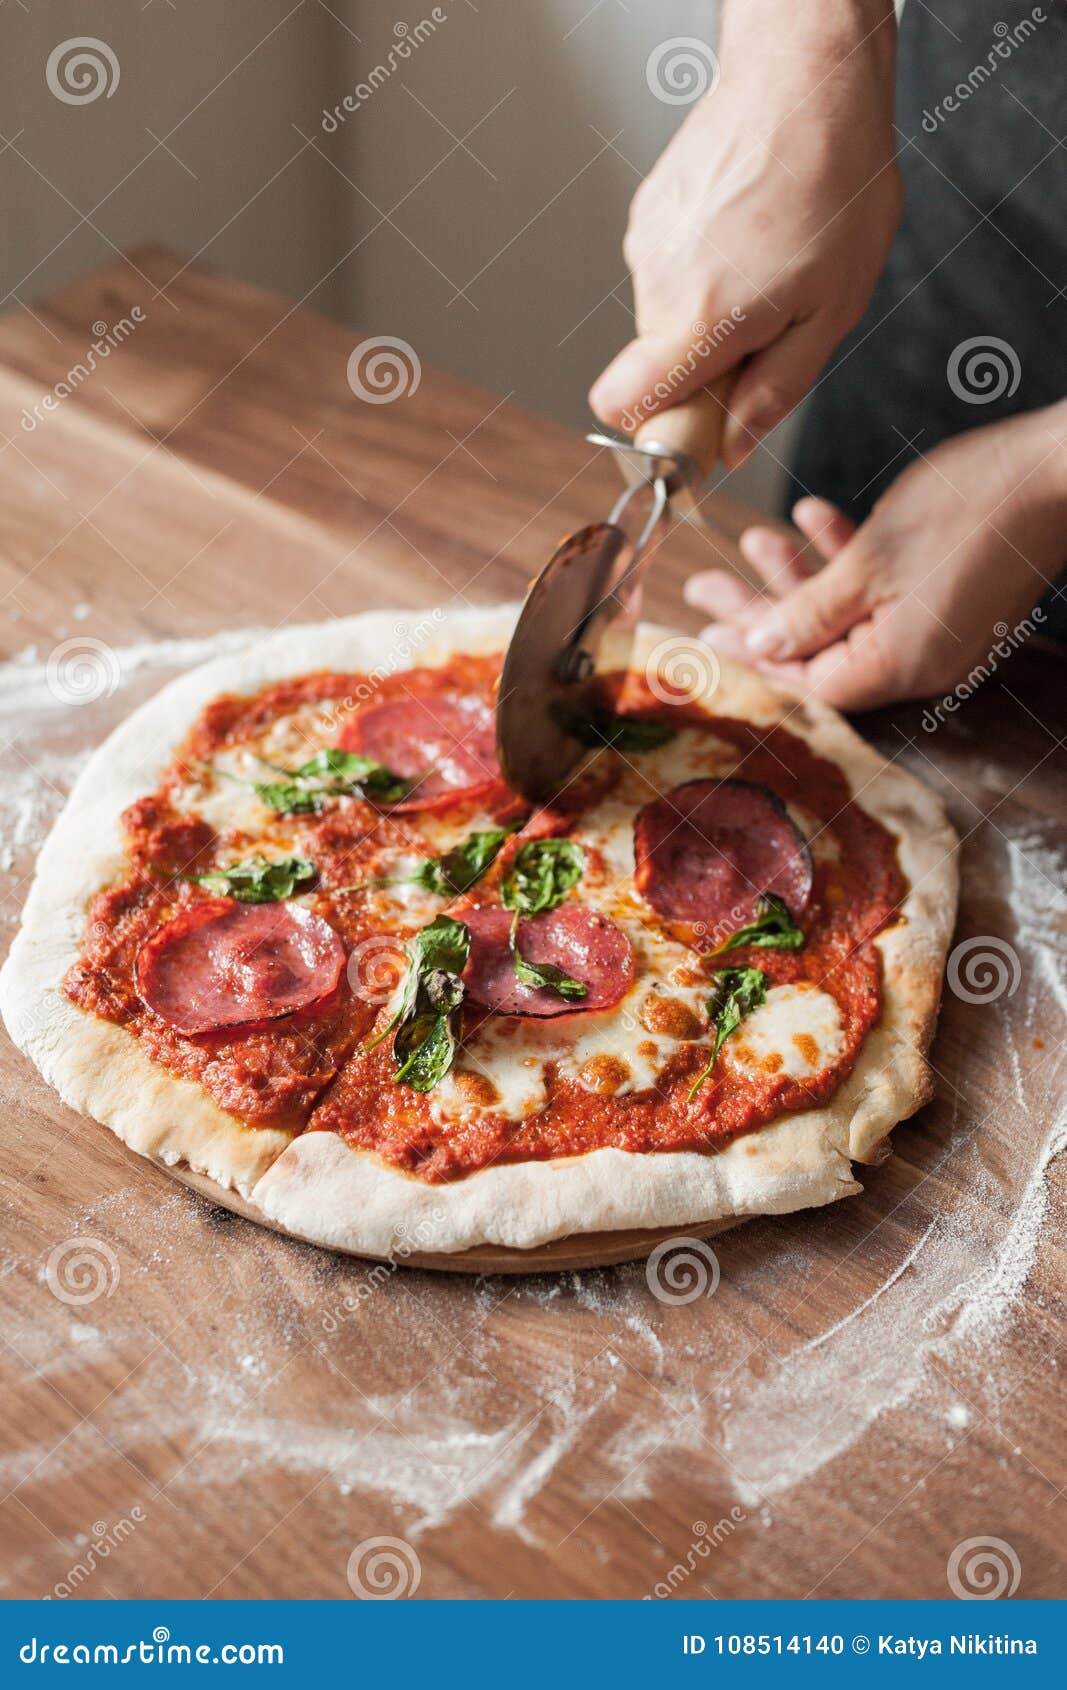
776	201
811	40
829	27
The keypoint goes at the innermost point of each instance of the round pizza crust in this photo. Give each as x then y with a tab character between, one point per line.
315	1186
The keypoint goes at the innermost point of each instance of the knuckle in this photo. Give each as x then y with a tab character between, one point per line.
847	311
637	217
883	659
770	403
867	573
816	623
632	244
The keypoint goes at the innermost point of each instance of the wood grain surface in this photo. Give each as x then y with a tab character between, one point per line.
829	1404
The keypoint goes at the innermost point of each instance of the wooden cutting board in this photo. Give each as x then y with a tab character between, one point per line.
211	1408
576	1254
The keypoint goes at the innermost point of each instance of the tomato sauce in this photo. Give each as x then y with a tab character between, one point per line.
310	1070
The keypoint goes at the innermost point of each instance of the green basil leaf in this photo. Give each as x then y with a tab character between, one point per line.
620	733
736	992
336	771
287	798
462	867
428	1025
333	766
331	773
444	945
258	880
542	874
773	929
543	973
425	1048
454	872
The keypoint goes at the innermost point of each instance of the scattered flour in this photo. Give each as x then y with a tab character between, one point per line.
438	1394
936	1304
44	739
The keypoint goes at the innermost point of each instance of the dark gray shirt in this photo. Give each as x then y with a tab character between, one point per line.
981	256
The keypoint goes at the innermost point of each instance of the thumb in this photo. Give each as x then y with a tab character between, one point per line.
815	614
655	372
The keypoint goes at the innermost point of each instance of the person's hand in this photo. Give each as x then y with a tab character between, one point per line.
966	540
765	224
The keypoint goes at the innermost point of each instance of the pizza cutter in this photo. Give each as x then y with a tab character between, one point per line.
579	617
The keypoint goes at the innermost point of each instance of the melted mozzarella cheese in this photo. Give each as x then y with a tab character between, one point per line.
402	904
442	830
691	755
797	1032
501	1070
615	1057
615	1052
224	795
293	740
821	842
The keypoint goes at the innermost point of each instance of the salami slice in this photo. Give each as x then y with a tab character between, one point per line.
224	964
584	944
446	738
706	851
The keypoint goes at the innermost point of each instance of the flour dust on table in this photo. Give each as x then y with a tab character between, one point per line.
942	1268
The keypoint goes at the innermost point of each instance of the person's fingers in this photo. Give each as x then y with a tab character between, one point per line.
641	380
655	372
815	614
824	524
860	672
776	557
772	384
727	640
719	592
857	673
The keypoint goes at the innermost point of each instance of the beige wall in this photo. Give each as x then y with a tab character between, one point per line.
228	123
473	205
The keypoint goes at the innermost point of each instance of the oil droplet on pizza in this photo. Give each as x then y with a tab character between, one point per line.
670	1017
807	1047
604	1074
769	1063
475	1088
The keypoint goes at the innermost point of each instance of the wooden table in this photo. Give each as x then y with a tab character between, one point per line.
233	1414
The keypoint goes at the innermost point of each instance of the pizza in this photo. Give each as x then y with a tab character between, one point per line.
293	933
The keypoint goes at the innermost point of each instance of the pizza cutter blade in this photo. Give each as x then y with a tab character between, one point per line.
576	624
579	617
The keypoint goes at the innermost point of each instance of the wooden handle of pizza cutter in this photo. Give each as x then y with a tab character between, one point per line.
694	428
